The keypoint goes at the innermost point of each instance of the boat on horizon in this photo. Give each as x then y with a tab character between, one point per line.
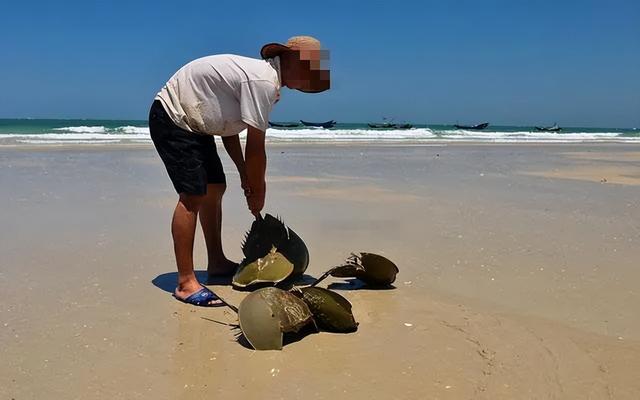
477	127
389	124
283	125
384	125
326	124
554	128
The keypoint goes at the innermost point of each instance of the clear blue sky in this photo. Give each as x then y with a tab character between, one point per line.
508	62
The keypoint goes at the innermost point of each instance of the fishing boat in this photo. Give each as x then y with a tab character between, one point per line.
327	124
477	127
385	125
279	125
554	128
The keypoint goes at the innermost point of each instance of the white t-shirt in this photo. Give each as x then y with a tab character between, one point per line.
222	94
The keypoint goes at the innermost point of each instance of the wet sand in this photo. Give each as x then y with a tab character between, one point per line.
518	275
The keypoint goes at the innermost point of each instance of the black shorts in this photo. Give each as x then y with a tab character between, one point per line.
191	158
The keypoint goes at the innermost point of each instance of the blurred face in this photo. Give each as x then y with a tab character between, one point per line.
306	70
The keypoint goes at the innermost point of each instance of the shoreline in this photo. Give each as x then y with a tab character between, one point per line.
319	143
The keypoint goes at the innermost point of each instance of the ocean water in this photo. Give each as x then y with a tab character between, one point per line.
70	131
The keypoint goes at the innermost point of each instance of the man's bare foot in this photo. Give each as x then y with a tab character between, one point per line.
224	268
183	291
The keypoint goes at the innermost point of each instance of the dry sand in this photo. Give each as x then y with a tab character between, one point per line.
518	275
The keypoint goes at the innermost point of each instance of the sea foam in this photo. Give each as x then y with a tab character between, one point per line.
140	134
82	129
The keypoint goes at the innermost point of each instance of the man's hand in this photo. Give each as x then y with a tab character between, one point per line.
255	198
255	201
251	168
255	164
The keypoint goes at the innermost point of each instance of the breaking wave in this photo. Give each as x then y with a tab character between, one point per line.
101	134
82	129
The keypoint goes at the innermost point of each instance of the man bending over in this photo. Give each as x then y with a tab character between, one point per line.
222	95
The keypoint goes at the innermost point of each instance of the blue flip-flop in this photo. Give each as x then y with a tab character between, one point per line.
201	298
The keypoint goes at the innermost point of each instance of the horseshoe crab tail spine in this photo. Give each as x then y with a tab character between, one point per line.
324	276
231	306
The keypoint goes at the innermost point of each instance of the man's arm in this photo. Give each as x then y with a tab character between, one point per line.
233	148
255	166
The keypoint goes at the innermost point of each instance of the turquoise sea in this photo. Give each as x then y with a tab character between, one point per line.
84	131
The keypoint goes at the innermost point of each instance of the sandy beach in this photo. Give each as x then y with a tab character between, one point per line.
518	275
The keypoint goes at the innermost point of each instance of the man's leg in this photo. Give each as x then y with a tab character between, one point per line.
211	221
183	228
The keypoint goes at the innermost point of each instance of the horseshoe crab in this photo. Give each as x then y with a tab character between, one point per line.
271	269
267	313
331	311
373	269
266	234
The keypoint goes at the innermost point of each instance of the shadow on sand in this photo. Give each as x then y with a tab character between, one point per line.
356	284
169	280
